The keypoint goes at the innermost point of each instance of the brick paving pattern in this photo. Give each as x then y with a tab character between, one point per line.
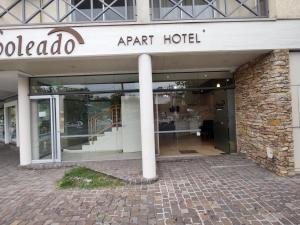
227	190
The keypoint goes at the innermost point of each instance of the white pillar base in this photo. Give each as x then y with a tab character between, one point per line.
147	118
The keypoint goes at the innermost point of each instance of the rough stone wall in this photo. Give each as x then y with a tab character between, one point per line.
264	112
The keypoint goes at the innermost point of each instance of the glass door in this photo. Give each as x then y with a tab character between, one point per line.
45	129
221	129
12	125
192	122
176	124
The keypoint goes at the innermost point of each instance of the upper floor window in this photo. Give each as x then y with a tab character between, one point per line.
65	11
103	10
207	9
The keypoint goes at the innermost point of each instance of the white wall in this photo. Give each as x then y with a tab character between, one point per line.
295	87
103	40
130	106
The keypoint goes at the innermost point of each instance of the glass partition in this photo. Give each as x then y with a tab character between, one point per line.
41	129
2	130
100	126
84	84
191	117
44	130
83	117
99	116
11	123
191	122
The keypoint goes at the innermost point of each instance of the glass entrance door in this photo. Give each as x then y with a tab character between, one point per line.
45	128
191	122
177	123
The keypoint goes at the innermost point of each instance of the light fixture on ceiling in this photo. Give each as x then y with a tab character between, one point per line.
218	85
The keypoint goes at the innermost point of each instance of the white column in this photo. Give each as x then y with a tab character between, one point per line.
147	119
17	126
24	120
143	11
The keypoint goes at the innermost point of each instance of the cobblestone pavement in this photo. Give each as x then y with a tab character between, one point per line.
212	190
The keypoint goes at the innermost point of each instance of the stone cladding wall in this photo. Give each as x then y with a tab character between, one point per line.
264	112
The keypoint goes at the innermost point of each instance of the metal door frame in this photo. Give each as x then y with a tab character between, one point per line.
55	128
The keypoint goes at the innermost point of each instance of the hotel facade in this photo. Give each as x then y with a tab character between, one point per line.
94	80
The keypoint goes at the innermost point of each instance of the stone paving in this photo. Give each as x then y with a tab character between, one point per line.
227	190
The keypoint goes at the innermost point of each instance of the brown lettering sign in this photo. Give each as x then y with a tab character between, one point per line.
44	47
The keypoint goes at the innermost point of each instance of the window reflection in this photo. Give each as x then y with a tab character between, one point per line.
103	10
2	124
102	126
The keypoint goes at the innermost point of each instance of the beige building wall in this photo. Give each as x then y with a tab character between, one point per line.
284	9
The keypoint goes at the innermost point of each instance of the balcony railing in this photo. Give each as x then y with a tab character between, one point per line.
208	9
65	11
74	11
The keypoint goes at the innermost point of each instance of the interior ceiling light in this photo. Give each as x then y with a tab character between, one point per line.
218	85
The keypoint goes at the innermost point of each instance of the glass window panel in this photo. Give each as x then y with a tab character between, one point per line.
100	126
167	10
118	10
130	9
97	10
187	9
12	129
189	122
103	83
122	83
85	10
2	124
156	9
41	129
202	11
117	14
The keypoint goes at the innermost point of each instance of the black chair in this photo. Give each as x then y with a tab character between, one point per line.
207	129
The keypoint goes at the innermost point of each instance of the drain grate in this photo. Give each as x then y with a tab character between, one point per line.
188	151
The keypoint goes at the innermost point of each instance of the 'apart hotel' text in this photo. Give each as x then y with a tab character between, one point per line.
142	40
